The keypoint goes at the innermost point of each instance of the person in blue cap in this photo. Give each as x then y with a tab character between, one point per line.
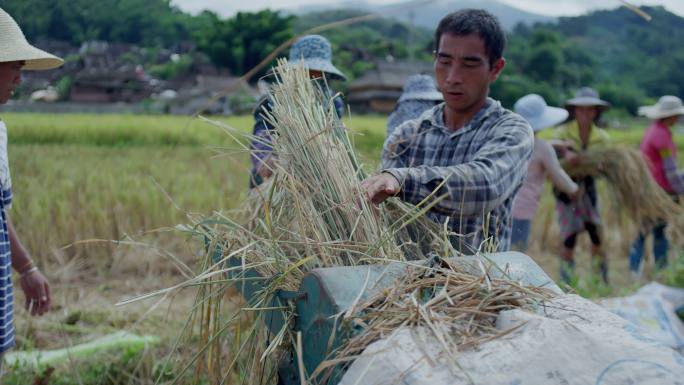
315	53
418	95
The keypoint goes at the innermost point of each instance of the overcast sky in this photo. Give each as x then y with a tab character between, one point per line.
546	7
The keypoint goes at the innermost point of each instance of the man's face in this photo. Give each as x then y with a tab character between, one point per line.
315	74
10	78
671	120
585	115
463	71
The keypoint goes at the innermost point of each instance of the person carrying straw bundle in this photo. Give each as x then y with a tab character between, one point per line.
581	213
660	153
315	53
544	164
469	150
16	54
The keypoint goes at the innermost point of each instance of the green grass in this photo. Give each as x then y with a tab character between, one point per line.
79	177
117	130
68	193
152	130
121	367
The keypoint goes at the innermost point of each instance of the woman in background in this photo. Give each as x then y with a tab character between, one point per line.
544	164
581	213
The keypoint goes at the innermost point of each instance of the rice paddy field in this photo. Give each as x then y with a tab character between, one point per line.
97	199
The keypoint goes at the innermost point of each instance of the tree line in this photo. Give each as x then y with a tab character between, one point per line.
628	59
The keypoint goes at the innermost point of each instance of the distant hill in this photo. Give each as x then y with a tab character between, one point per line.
358	48
649	53
428	16
628	59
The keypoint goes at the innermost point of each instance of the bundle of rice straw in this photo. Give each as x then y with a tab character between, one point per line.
445	305
310	214
635	190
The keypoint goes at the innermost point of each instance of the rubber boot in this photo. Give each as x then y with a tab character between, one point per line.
603	266
567	271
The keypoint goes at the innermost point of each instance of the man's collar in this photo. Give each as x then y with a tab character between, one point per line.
436	118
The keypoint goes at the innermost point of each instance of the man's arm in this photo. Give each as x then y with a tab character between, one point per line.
673	176
262	150
560	179
33	283
475	187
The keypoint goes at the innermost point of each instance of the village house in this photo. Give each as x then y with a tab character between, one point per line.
379	89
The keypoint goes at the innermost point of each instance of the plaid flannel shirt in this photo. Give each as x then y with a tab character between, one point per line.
482	165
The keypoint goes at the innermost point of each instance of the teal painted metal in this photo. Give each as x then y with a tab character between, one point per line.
327	294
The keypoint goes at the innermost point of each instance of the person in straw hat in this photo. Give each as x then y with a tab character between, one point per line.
418	95
544	164
469	151
575	215
315	53
16	54
660	152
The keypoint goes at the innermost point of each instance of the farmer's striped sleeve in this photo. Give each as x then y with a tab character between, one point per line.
478	168
7	340
6	290
474	187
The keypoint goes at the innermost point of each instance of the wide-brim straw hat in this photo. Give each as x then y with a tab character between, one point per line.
587	97
534	109
315	52
14	47
666	107
420	87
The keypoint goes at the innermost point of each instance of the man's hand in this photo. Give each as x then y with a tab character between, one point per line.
37	292
380	187
266	167
573	158
561	146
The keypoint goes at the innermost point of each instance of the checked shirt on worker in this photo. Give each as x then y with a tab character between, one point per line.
6	293
482	165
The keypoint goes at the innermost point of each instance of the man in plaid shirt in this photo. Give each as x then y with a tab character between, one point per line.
468	148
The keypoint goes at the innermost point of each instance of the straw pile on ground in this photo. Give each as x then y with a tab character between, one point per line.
634	189
312	214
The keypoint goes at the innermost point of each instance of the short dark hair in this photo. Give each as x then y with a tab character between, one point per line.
475	21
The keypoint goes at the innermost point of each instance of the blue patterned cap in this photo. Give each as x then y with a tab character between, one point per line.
420	87
316	53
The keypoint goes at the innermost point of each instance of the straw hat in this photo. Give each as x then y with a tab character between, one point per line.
586	97
14	47
667	106
316	53
535	110
420	87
